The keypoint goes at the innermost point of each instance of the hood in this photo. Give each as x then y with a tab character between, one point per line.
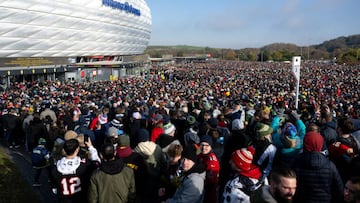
313	160
146	148
112	167
68	166
123	152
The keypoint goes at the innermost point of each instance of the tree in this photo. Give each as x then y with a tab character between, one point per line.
251	56
277	56
230	55
350	57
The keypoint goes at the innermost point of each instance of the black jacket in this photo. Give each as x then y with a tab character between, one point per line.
317	179
328	131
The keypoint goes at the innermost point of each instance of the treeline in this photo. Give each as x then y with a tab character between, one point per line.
340	50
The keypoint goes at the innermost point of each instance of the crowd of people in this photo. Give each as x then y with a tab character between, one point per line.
213	131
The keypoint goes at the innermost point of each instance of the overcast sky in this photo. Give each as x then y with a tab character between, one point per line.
251	23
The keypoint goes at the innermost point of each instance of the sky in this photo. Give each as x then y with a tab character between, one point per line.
238	24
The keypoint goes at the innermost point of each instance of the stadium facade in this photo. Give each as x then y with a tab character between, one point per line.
47	39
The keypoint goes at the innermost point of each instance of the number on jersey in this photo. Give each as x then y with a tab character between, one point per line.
70	185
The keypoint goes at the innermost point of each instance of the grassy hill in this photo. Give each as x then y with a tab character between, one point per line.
346	47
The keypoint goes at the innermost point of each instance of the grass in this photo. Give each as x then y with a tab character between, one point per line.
13	187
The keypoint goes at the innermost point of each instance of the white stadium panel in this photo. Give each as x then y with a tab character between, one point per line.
50	28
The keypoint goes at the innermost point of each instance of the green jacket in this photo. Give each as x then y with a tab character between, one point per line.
112	182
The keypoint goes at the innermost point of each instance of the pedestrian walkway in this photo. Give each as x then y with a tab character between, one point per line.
22	161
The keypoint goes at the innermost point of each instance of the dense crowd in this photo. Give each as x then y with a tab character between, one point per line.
214	131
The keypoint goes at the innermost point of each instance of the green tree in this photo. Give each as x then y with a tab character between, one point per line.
251	56
350	57
230	55
277	56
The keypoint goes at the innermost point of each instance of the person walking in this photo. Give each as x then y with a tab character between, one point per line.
113	181
71	174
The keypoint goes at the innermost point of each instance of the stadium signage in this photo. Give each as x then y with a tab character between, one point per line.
128	8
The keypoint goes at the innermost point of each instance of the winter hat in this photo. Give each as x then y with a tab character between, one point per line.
158	118
207	139
81	140
242	158
164	140
42	141
191	120
289	135
136	115
103	118
169	128
166	119
207	106
31	111
237	124
116	123
213	122
191	138
263	130
190	153
313	142
124	141
112	132
70	134
143	135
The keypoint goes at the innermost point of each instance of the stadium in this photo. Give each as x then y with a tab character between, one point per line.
73	39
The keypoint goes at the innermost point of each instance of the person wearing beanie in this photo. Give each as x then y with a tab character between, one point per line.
246	177
318	177
135	161
158	127
265	151
288	139
164	141
113	181
192	181
155	161
40	159
212	164
169	129
112	136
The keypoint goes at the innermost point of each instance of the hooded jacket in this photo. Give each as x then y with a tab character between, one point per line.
318	179
112	182
328	130
192	186
155	161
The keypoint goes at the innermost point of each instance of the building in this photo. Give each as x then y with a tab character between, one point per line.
59	39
